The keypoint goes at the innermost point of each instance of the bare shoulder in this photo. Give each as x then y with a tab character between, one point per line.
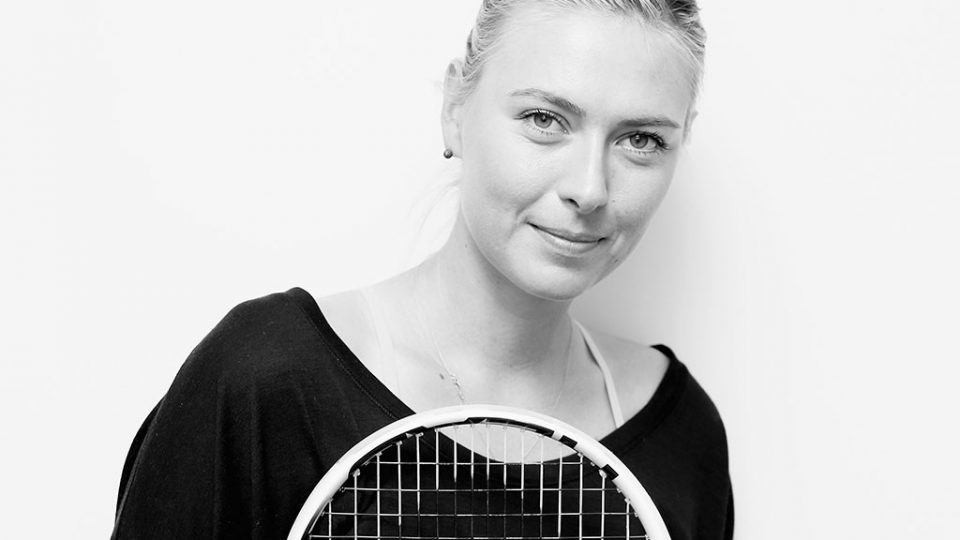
348	315
637	369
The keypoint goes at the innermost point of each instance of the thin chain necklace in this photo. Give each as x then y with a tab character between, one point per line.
437	357
452	377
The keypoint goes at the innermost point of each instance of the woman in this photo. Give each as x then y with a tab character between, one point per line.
568	116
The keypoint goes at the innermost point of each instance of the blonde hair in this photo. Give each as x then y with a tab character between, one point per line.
679	19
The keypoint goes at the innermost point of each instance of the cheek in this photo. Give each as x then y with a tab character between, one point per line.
501	178
634	207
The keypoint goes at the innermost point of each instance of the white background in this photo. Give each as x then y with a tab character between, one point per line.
161	162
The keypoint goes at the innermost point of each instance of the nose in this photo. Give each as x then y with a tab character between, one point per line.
584	186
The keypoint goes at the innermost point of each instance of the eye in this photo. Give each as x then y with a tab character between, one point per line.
644	143
544	122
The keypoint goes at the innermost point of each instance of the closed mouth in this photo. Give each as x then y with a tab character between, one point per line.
570	236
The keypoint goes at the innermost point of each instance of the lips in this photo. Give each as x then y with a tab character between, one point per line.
570	236
568	243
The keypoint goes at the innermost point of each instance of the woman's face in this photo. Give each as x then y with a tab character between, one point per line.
568	143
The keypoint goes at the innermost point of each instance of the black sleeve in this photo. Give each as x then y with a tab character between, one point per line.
132	455
728	529
227	453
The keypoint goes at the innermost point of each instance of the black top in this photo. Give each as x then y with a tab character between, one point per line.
272	397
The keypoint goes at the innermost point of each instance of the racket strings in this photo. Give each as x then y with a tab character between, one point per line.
426	486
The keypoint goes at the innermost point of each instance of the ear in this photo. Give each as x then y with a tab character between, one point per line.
452	108
688	123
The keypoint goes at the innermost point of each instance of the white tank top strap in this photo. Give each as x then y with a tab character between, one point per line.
608	383
387	357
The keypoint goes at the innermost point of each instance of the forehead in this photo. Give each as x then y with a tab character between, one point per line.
605	63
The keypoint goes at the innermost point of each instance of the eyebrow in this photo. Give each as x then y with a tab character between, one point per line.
564	103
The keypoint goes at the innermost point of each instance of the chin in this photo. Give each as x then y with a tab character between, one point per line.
553	283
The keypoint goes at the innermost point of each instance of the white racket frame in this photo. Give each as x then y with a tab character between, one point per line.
625	480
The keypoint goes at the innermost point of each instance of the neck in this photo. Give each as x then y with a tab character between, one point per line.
482	322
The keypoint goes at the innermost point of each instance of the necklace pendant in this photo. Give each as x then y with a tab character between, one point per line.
456	384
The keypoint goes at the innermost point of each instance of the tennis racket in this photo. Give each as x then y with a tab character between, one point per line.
479	471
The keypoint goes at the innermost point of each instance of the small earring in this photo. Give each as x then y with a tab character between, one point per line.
448	153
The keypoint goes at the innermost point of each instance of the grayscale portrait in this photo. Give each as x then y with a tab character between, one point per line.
479	269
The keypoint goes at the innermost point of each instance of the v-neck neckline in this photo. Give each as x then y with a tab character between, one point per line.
634	429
